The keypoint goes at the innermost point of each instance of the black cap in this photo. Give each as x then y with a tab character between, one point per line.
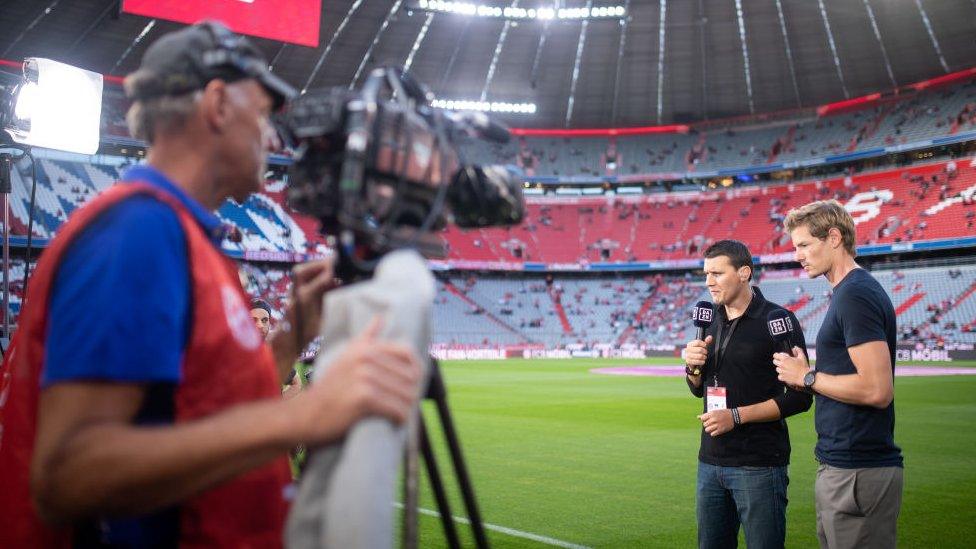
703	314
186	60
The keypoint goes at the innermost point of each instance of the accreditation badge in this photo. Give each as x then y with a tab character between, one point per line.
715	398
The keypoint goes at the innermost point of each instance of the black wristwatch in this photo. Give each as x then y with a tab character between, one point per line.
696	371
810	379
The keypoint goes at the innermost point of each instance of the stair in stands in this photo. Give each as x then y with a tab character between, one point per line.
908	303
463	297
964	295
798	304
560	311
637	318
813	314
869	129
784	144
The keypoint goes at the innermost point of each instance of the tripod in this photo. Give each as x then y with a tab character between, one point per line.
7	161
6	164
438	394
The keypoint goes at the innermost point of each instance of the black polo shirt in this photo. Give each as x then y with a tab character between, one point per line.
747	372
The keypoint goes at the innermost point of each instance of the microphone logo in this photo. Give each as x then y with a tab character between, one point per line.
702	314
780	326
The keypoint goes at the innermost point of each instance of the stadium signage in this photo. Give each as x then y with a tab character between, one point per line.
281	257
585	354
631	353
546	353
923	355
784	274
468	354
295	21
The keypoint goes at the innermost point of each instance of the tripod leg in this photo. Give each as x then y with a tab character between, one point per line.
438	393
411	495
437	485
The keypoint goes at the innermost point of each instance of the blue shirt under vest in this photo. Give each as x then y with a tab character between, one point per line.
119	308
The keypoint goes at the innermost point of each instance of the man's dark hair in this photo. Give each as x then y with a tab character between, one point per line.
261	304
737	252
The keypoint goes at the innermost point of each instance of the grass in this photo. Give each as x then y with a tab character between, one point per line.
610	461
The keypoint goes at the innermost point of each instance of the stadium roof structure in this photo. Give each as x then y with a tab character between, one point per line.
664	62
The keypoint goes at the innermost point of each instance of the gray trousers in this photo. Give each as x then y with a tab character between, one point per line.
345	499
858	507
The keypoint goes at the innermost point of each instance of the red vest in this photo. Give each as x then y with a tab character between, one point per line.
225	363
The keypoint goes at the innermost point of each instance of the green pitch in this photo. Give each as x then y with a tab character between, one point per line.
610	461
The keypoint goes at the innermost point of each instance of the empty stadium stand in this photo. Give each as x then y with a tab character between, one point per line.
935	305
923	202
905	117
898	120
908	205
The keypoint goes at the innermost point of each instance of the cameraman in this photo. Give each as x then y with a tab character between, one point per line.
161	423
745	446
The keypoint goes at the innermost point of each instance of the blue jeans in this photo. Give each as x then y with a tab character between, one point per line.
752	496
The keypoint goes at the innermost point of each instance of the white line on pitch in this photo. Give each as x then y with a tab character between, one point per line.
505	530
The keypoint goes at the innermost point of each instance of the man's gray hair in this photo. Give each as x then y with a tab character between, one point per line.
149	117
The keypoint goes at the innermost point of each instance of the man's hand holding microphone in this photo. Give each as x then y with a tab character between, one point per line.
792	366
696	353
715	422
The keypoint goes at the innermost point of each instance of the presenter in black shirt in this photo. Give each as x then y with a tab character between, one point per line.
745	445
860	478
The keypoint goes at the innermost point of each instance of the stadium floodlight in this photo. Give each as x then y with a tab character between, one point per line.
516	13
484	106
55	106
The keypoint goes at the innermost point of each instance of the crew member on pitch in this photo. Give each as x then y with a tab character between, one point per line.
860	478
261	316
745	445
141	407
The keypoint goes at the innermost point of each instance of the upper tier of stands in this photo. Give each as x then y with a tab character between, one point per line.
906	117
923	115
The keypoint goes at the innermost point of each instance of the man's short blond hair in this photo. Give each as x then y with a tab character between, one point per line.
821	216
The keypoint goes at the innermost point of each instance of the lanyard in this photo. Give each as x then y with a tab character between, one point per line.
720	345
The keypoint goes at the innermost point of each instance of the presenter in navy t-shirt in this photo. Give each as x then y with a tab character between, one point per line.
860	478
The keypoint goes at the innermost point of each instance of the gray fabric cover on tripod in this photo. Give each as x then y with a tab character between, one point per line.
345	499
